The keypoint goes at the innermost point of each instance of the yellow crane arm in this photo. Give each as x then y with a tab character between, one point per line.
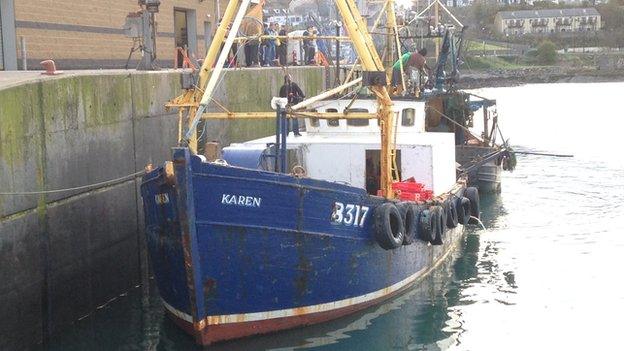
363	43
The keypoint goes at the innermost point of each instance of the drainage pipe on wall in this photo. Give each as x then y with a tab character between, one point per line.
23	50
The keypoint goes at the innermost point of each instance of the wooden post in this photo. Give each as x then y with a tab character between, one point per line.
436	13
486	139
212	151
337	78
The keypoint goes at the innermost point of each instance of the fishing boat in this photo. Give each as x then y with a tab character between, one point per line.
287	231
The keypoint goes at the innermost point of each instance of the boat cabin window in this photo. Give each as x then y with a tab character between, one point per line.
314	122
332	122
357	122
408	117
373	170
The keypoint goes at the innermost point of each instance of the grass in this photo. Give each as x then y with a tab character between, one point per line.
489	62
473	45
576	60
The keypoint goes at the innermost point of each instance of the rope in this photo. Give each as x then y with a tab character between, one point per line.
108	182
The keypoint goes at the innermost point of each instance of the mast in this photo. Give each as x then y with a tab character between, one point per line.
371	62
390	24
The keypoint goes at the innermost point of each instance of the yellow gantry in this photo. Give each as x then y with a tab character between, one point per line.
370	60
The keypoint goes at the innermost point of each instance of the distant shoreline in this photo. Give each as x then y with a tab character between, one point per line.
510	78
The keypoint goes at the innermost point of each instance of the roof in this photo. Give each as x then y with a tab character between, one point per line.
589	11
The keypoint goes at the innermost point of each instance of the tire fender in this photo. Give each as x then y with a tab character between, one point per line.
437	220
463	210
451	213
409	215
389	228
472	194
425	225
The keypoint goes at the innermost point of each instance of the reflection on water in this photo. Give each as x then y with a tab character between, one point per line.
545	274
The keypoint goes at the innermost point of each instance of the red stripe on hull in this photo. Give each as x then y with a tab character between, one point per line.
222	332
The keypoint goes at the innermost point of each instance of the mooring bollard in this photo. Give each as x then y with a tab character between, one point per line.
50	68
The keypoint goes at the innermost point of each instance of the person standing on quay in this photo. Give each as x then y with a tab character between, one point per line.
269	55
308	45
282	49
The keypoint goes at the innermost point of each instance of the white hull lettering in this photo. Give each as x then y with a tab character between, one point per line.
349	214
240	200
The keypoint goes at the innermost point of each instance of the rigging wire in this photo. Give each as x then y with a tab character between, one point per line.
82	187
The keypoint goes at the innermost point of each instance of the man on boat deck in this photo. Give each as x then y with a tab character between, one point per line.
294	94
410	59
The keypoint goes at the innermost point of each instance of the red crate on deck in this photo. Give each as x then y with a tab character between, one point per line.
426	194
409	196
409	185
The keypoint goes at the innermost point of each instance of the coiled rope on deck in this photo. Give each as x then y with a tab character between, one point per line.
82	187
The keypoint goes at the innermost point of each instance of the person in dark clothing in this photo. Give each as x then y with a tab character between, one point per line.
269	53
247	47
262	47
282	49
308	46
294	94
233	55
251	53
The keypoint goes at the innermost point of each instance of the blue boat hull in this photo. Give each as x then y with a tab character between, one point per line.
237	252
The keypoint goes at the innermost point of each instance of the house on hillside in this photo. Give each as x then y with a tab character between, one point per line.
547	21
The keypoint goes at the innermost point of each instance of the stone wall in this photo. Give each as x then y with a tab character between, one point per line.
64	254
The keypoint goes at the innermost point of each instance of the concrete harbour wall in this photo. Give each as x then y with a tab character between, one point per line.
64	254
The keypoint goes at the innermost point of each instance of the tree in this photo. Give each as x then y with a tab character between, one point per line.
612	14
546	52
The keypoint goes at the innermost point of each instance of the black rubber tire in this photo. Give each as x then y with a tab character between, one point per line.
472	194
451	213
425	225
409	215
389	228
463	210
437	220
443	211
418	209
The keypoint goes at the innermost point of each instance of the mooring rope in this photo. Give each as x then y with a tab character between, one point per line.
107	182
